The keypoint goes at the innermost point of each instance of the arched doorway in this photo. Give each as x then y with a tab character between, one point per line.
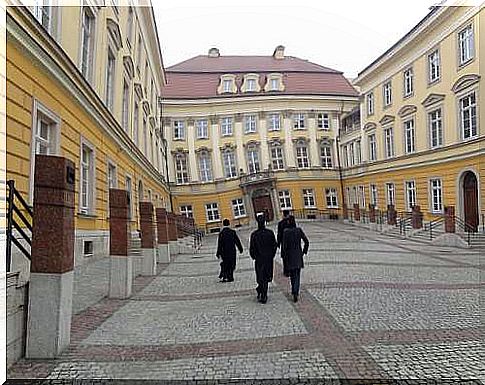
262	203
470	199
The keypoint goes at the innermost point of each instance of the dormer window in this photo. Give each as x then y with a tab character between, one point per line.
227	86
274	82
251	85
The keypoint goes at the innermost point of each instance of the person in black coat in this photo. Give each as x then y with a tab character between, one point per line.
282	225
226	250
292	254
263	249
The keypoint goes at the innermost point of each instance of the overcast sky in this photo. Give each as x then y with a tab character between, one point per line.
343	34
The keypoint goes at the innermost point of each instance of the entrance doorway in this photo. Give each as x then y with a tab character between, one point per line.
262	204
470	200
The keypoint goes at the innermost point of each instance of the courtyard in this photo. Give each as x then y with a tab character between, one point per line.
371	307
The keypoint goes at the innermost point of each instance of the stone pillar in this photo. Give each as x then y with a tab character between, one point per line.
147	230
172	234
417	217
52	264
450	219
238	139
263	136
121	264
372	213
162	236
391	215
313	147
191	135
216	153
288	129
356	212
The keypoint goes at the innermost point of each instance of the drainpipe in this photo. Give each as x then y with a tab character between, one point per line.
338	157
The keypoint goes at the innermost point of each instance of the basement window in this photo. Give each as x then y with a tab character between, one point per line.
88	248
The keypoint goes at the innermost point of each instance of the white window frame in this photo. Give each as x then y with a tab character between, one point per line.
472	112
250	124
391	194
409	128
186	210
39	113
181	168
435	123
238	208
111	180
205	173
299	121
408	78
110	79
323	121
326	157
278	161
389	142
370	103
274	122
230	168
202	128
309	198
358	152
387	93
212	210
284	197
252	82
43	8
436	201
302	157
361	197
372	140
331	198
129	189
466	45
374	195
90	207
411	194
434	66
178	130
86	56
253	160
125	112
227	85
227	126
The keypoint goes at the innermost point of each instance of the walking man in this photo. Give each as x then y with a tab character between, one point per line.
226	250
292	254
262	249
282	225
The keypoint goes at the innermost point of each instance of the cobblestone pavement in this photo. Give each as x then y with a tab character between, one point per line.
371	307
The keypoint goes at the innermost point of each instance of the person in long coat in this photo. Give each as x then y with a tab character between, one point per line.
262	248
226	250
282	225
292	254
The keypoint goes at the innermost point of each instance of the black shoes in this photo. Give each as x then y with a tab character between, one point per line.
295	297
264	299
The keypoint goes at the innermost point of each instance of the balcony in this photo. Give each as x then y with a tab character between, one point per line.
261	177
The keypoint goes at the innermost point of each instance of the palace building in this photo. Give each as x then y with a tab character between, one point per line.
85	83
416	139
251	134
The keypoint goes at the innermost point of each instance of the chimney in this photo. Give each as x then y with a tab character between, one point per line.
279	52
214	52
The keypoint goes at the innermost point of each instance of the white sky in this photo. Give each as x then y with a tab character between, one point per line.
345	34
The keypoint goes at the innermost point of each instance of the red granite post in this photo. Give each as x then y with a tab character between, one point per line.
172	234
147	230
417	217
121	266
450	226
51	278
391	215
162	232
346	211
372	213
356	212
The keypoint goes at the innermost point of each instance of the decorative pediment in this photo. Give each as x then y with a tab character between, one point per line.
432	99
138	90
228	146
251	143
370	126
129	66
464	82
407	110
274	142
386	119
325	140
203	149
301	139
114	32
180	150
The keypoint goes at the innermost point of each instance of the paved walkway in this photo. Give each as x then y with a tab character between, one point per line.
370	307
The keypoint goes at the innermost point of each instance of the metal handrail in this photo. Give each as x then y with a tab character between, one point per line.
18	225
403	223
465	227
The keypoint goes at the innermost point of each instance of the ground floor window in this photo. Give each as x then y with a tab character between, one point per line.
410	195
187	211
285	199
390	194
331	195
373	195
436	195
308	198
212	212
238	208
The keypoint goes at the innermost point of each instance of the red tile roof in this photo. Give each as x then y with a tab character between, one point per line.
199	77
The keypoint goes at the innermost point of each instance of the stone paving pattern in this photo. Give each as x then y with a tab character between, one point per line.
371	307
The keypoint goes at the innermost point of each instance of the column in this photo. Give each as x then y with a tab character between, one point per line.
263	135
194	175
52	264
238	138
216	153
312	135
288	128
162	236
121	264
147	232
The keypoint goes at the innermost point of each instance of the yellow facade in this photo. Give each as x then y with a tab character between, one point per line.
45	80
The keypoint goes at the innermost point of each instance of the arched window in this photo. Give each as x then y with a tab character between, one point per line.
302	154
253	159
205	166
181	170
229	162
326	154
141	194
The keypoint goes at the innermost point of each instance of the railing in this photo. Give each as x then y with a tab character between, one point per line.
467	229
319	214
256	177
430	226
17	218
